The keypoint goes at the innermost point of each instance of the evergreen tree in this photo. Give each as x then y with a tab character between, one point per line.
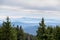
8	32
1	34
18	36
20	33
57	33
41	34
50	33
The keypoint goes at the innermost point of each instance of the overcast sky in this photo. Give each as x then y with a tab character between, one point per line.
30	8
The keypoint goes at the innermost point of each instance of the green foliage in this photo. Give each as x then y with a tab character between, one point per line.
20	33
41	34
48	33
57	33
7	32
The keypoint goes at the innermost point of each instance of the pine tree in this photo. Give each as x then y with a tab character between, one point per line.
8	32
20	33
18	36
50	33
41	34
1	34
57	33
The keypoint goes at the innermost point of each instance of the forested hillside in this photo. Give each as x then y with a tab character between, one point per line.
8	32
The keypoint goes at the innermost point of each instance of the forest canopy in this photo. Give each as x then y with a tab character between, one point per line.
8	32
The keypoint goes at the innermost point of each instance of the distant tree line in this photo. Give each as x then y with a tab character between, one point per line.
8	32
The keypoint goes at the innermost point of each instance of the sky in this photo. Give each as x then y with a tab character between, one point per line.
30	12
49	9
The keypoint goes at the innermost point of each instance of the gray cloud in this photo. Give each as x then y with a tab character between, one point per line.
53	5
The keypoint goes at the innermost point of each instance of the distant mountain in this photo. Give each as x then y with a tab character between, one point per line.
30	25
31	28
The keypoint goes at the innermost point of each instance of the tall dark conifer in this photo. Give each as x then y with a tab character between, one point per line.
57	33
20	33
50	33
8	32
41	31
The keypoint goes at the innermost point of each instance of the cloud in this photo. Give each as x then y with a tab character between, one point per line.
30	8
16	12
34	4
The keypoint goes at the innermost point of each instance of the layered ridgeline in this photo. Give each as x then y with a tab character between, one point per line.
30	25
9	31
